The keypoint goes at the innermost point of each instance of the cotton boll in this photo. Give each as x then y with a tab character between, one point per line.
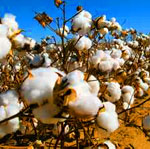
86	14
113	20
95	60
103	31
46	113
3	30
85	106
5	46
143	85
9	20
116	53
19	41
88	43
47	60
106	66
126	105
109	107
94	85
110	144
128	97
80	45
82	23
84	43
29	41
74	77
128	89
146	123
116	26
2	113
61	33
114	92
116	64
107	121
9	97
139	92
121	61
39	87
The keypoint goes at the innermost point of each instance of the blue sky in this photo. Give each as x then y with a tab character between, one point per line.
129	13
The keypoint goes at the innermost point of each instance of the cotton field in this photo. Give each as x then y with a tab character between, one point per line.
76	90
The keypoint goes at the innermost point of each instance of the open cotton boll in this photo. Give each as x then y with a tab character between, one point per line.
107	121
47	60
116	53
3	30
74	77
46	113
109	107
2	113
95	60
61	33
10	21
85	14
103	31
126	105
19	41
9	97
110	144
128	89
5	46
127	97
106	66
82	23
88	43
84	43
116	64
141	84
114	92
29	41
40	86
121	61
116	26
85	106
11	125
94	85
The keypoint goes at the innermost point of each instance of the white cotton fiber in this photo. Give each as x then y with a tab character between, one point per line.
5	46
